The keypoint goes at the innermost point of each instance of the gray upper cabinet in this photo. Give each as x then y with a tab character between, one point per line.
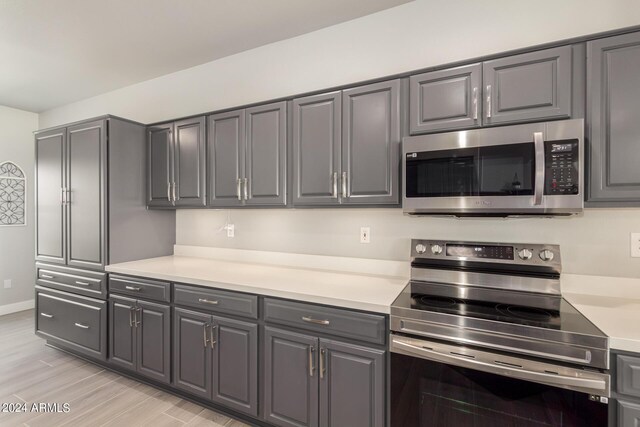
225	141
189	168
159	165
317	141
446	99
371	144
613	100
50	193
192	362
531	86
352	385
290	379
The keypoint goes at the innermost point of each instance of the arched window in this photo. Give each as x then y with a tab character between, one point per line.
13	187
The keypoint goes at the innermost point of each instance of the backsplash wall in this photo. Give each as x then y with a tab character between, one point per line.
596	243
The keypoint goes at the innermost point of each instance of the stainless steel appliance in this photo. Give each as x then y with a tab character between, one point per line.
481	336
530	169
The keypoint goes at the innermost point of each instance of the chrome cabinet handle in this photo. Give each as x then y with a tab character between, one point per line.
212	341
131	315
323	362
169	192
204	334
538	140
78	282
132	288
80	325
207	301
316	321
475	103
68	196
246	191
239	189
488	101
48	316
137	319
334	182
46	276
62	196
174	193
344	185
312	368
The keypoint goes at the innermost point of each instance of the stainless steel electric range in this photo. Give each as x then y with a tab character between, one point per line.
481	336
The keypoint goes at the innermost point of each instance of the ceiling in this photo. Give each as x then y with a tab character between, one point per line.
53	52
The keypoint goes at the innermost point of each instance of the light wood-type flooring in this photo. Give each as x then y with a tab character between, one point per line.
31	373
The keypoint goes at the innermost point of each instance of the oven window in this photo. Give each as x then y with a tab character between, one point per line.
432	394
500	170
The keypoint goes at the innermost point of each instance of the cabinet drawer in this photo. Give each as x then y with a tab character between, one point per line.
216	300
628	381
74	321
335	321
79	281
142	288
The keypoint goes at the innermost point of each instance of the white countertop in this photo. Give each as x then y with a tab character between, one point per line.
343	289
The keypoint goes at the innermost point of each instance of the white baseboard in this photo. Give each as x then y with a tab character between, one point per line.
18	306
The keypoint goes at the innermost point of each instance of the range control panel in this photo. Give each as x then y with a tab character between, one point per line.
561	167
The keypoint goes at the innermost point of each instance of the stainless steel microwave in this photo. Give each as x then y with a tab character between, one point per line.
529	169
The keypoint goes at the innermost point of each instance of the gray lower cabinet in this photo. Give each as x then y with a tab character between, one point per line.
628	414
346	147
140	337
311	381
248	156
613	102
530	86
446	99
216	358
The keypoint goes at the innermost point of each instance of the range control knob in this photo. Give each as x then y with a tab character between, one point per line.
546	255
420	248
525	254
436	249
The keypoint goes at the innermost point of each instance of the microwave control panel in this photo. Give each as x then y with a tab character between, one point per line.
561	167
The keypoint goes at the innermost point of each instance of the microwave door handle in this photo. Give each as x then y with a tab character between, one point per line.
538	141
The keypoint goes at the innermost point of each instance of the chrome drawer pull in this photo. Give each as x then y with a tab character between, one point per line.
81	283
80	325
46	276
48	316
207	301
132	288
316	321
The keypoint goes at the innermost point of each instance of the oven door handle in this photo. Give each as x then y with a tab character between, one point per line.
538	140
466	359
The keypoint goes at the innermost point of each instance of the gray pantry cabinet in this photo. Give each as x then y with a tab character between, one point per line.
247	161
613	102
346	147
176	164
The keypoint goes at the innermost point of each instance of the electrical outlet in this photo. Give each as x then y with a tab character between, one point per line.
231	230
365	235
635	245
7	283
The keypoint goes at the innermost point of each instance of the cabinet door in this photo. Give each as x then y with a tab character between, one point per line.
122	332
225	146
628	414
159	165
189	162
266	154
317	128
50	184
352	385
235	364
531	86
613	102
153	330
446	99
192	352
371	144
290	379
87	195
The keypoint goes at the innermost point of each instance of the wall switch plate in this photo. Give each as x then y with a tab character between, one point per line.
365	235
231	230
7	283
635	245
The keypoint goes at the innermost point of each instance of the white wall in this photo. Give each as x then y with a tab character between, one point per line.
412	36
17	243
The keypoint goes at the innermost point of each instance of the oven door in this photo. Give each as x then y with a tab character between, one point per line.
441	385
